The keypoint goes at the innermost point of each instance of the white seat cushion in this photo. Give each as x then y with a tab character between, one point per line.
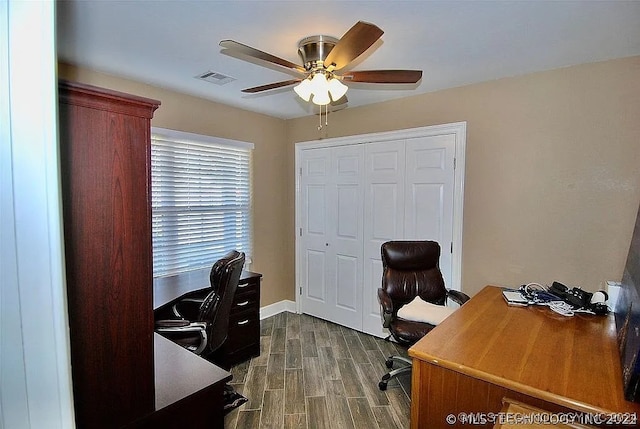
420	310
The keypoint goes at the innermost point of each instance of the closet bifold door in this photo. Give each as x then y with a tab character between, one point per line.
357	192
332	225
384	208
105	164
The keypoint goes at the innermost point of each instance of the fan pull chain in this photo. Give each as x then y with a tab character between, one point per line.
326	117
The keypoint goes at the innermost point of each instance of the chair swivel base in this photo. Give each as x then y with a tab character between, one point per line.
382	385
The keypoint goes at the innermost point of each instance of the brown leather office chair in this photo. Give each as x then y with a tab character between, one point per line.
410	269
201	326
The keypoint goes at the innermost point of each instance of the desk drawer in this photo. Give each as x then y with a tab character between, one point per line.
244	332
245	302
243	340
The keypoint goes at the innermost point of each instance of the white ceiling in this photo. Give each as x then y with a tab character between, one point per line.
167	43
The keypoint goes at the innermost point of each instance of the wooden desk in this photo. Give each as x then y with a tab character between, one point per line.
486	351
167	290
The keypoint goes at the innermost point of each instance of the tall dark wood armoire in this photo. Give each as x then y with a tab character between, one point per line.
105	165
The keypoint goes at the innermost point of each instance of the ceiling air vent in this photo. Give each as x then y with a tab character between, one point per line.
215	77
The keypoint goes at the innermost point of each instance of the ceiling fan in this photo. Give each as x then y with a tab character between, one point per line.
324	65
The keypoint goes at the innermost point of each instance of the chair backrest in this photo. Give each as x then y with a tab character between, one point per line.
216	307
410	269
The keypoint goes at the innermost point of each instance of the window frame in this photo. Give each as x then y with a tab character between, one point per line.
198	278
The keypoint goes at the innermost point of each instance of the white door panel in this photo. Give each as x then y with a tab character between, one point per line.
346	235
315	260
429	194
316	290
384	219
332	226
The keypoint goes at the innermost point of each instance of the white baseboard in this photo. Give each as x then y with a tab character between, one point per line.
277	307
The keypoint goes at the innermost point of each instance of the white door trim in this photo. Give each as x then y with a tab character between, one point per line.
459	129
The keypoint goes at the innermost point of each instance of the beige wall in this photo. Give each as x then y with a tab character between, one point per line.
273	254
552	178
552	169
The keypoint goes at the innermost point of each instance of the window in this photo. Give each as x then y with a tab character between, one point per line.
201	200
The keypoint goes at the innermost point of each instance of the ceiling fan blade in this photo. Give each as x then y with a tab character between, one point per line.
271	86
383	76
358	39
255	53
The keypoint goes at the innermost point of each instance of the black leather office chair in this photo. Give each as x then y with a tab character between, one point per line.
410	269
202	325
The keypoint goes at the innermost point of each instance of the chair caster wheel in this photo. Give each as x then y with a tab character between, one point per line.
389	363
382	385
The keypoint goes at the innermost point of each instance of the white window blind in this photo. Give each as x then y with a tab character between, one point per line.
201	200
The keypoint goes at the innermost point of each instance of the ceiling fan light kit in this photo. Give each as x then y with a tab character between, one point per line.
323	58
320	88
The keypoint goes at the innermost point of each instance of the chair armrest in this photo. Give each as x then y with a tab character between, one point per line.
199	328
171	323
457	296
386	308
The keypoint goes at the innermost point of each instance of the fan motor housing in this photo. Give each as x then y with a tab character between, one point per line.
314	49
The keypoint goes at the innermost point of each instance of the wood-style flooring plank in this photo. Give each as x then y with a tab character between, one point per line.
312	373
272	409
278	340
355	348
275	371
328	364
295	421
254	387
350	378
337	405
265	349
362	415
340	348
293	354
308	343
385	418
294	391
370	380
248	419
313	381
317	413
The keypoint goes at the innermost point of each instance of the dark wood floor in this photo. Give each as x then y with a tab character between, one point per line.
316	374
